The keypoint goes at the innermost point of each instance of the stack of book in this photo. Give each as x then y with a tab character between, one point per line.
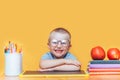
104	67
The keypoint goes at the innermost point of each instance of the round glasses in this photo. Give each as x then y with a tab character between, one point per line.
55	42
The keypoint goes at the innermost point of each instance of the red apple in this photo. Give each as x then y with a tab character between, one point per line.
97	53
113	54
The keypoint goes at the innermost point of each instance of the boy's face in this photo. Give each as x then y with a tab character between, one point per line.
59	44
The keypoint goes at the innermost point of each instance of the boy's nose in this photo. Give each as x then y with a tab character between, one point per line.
59	45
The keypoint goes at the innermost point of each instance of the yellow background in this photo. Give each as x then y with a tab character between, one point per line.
28	23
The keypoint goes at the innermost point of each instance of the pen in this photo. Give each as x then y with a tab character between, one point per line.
20	51
16	47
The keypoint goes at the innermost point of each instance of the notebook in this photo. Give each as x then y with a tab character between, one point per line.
53	73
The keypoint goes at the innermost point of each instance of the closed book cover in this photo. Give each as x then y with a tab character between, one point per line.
105	62
104	66
105	70
54	73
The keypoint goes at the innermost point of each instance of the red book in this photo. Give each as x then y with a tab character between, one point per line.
104	70
104	73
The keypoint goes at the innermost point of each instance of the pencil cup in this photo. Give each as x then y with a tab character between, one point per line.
13	64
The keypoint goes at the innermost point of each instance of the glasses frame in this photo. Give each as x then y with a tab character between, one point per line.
56	42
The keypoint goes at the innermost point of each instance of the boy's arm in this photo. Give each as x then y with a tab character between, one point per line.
51	63
63	68
44	64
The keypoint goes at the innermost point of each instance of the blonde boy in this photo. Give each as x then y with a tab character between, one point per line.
59	58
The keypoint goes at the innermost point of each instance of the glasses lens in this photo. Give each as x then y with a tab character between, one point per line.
64	42
54	42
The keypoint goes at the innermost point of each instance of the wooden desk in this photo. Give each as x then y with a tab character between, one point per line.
93	77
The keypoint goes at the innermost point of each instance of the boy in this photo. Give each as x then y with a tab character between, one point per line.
59	59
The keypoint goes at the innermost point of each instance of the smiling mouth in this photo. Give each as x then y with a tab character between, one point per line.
58	51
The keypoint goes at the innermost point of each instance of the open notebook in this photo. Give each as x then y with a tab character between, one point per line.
53	73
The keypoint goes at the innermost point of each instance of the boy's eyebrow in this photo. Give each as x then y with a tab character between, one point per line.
60	40
49	39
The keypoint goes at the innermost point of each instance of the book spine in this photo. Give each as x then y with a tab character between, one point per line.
104	70
104	66
105	62
104	73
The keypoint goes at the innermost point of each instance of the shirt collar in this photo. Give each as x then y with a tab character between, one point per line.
55	57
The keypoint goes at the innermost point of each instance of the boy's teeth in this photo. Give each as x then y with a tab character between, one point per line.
58	51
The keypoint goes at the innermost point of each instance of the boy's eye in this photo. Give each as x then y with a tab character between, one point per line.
63	42
54	42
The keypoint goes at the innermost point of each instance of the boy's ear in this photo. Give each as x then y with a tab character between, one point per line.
70	45
48	45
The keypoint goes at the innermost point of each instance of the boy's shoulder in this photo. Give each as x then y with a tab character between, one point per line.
69	56
46	56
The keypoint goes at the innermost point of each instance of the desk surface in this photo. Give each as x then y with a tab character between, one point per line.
54	74
92	77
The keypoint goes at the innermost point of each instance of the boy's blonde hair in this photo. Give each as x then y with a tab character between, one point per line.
61	30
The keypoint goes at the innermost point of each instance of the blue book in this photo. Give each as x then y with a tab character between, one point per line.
105	62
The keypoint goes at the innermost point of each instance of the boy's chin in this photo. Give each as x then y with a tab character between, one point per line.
59	56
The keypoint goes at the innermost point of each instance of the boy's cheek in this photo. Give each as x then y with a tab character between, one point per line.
48	46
